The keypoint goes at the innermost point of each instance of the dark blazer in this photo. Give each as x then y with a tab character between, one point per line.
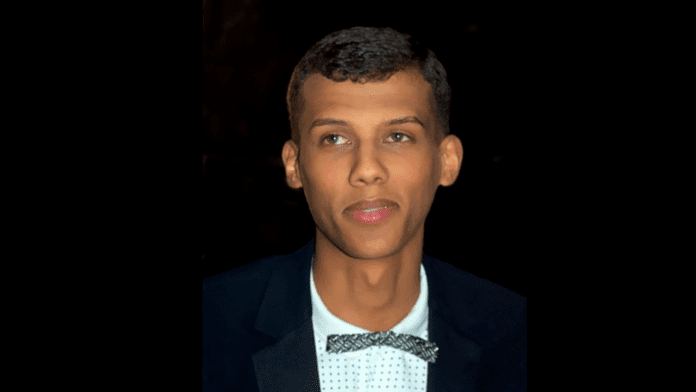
258	335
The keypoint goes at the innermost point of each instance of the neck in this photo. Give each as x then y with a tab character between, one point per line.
372	293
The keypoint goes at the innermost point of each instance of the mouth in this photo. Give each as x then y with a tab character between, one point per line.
372	211
368	206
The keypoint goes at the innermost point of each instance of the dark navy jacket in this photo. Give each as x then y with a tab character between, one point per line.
258	335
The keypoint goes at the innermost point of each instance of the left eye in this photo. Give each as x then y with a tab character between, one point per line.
402	136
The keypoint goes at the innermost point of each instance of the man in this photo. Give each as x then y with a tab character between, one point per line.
360	307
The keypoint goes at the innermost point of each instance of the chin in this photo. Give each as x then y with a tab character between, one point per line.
365	241
371	247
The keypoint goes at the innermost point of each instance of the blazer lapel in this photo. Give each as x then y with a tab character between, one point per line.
458	358
289	364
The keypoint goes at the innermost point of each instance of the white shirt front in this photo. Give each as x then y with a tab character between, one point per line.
374	368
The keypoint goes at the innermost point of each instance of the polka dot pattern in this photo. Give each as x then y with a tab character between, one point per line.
376	368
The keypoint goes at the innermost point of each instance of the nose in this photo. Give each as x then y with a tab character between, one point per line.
368	168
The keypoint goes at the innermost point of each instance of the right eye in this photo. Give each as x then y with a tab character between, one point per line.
330	137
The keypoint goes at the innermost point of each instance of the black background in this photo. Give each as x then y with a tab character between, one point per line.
481	224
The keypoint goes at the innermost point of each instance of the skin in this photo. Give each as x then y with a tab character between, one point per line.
369	274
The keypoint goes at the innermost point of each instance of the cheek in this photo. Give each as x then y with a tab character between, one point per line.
328	178
323	184
417	170
423	179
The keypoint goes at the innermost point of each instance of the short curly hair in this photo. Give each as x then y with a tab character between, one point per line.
369	54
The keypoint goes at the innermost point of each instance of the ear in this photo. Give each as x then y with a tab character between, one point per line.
451	155
290	155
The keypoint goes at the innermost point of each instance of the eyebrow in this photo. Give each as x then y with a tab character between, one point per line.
395	121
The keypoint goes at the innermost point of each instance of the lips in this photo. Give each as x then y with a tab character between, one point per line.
369	205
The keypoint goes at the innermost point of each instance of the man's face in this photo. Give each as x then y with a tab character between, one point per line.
364	158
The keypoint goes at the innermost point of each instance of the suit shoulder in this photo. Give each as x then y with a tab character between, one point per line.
488	300
231	301
475	285
490	315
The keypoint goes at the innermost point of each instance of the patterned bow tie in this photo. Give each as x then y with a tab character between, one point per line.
409	343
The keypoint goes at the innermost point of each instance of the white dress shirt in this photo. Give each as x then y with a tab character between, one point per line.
374	368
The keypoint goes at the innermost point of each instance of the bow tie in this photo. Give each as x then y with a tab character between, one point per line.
409	343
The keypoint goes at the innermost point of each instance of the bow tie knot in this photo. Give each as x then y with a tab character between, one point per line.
409	343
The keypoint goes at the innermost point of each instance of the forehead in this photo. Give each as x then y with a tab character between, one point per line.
405	93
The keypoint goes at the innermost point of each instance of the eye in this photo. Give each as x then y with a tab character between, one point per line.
332	136
401	139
